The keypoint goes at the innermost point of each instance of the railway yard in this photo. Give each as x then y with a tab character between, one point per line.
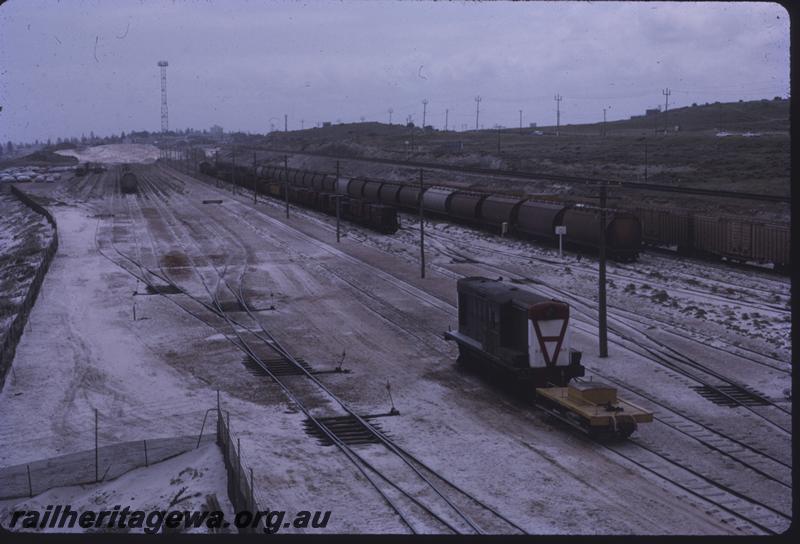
180	294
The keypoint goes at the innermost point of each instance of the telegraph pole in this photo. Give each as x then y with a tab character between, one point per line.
286	187
391	111
520	121
446	115
421	230
602	294
557	98
666	92
477	110
216	165
604	121
302	124
424	111
233	169
285	123
338	200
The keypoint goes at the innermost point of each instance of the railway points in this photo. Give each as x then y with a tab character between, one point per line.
254	286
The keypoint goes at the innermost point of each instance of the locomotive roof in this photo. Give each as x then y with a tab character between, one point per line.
499	291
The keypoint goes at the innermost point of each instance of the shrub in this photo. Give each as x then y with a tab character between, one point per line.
659	296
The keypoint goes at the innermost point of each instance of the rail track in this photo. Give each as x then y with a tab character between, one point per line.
632	332
763	463
616	274
443	503
754	357
727	498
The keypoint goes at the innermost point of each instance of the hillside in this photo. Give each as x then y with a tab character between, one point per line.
741	146
754	116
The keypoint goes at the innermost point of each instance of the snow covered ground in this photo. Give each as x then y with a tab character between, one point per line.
181	483
157	375
114	153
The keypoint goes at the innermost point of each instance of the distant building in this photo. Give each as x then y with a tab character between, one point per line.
326	123
652	111
531	125
215	131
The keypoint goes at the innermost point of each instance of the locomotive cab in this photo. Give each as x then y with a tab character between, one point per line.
514	334
524	337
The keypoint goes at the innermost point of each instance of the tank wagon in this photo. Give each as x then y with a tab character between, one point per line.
522	216
523	339
528	217
128	183
314	190
207	168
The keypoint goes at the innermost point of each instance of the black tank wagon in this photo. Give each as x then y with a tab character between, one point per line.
128	182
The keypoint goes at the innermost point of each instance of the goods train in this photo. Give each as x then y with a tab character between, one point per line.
625	232
128	182
87	167
733	238
523	338
523	216
310	189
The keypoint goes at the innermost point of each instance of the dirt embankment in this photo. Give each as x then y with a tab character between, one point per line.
24	235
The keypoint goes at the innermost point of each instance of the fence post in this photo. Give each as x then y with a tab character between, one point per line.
252	494
96	460
30	485
239	468
145	454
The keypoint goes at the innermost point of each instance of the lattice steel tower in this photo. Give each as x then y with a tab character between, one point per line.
164	114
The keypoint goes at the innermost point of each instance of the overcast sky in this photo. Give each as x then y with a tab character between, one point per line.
71	67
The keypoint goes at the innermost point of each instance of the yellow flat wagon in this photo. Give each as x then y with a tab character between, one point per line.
594	407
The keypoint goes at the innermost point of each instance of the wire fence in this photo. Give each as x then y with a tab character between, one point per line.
110	461
104	463
241	484
90	466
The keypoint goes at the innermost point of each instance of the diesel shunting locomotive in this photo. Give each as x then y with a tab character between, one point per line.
523	338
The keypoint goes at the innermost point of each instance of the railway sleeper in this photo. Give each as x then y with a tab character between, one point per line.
345	428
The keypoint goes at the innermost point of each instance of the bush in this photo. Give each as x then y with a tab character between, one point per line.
659	296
